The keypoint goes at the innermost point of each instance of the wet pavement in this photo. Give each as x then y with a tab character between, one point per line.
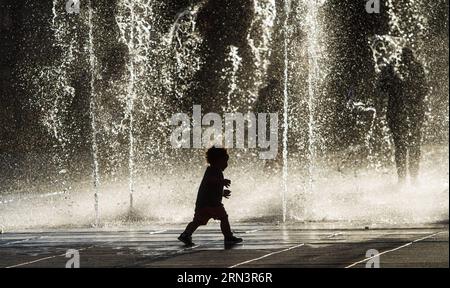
265	246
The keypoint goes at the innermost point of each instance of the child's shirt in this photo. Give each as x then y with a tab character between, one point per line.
210	192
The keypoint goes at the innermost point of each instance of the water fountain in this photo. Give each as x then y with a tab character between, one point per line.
284	192
315	78
260	38
235	61
135	21
184	40
92	114
157	52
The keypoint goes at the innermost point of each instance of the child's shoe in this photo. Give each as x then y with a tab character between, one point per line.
186	239
233	240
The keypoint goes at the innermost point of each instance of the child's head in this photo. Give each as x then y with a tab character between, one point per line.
217	157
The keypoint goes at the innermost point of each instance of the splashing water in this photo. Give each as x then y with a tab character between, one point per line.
260	37
360	107
129	114
184	40
135	34
287	10
65	40
386	50
407	28
235	61
309	19
313	76
92	111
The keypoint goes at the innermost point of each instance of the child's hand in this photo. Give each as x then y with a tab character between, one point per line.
226	194
227	183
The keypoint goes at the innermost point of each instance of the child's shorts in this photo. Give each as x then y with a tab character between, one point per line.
203	215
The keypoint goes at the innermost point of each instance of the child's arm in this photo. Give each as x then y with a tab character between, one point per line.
226	194
226	183
215	180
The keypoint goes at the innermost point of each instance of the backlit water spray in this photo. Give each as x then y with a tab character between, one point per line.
235	61
260	38
135	24
131	96
183	41
133	79
92	112
313	77
287	10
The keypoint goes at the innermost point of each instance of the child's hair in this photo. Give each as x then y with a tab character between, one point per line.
213	154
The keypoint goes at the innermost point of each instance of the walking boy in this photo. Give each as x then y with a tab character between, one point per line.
209	199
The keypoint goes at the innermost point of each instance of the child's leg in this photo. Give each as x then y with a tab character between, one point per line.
200	218
225	227
191	227
221	214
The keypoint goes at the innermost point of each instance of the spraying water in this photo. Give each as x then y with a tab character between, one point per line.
236	61
408	26
130	101
135	24
313	75
260	38
287	10
92	112
360	107
184	41
166	52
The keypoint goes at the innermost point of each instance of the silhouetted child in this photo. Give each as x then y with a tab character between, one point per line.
209	199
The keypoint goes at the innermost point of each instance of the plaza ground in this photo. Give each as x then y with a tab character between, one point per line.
265	246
